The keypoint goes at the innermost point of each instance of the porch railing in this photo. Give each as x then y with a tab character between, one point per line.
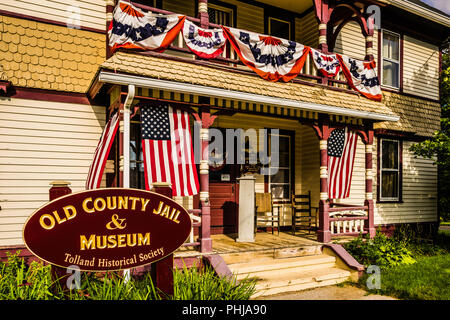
229	59
196	223
347	220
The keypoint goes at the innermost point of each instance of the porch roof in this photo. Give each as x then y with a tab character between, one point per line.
184	76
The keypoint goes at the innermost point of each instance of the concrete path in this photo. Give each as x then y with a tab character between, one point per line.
346	292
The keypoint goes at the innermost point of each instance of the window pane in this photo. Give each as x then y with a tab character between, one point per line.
279	29
284	159
282	176
280	191
389	187
390	154
391	46
390	74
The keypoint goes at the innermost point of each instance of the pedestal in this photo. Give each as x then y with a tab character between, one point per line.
246	226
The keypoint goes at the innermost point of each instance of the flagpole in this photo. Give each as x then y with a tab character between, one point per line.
126	150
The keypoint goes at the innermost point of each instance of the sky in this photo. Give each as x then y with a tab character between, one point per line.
443	5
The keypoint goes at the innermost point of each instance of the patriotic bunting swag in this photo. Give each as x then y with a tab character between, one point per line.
361	76
133	29
97	167
205	43
167	149
271	58
341	157
327	64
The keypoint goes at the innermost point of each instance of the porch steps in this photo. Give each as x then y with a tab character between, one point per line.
278	275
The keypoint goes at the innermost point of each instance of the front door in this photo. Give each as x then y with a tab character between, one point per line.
223	199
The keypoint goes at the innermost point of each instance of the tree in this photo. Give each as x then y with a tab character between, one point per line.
438	147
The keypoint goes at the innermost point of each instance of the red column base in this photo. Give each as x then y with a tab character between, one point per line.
205	245
324	236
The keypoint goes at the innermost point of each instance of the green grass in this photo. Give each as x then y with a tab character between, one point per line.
21	282
427	279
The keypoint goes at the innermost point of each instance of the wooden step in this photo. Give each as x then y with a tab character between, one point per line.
269	290
269	265
276	280
267	254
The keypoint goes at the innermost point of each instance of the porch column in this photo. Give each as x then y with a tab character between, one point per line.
109	16
369	47
203	13
370	223
323	13
324	233
206	121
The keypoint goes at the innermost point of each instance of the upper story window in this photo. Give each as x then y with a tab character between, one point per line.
390	170
221	14
390	59
279	28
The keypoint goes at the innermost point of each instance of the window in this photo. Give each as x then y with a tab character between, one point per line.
279	28
221	15
391	59
280	180
137	178
390	170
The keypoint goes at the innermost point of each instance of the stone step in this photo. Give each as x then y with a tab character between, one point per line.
269	265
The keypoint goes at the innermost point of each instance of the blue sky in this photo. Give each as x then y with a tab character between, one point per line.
443	5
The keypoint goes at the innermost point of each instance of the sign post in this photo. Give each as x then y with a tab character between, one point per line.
162	271
110	229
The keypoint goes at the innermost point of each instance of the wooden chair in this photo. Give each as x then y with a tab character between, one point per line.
264	213
302	216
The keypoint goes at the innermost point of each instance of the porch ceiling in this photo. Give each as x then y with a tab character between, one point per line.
184	76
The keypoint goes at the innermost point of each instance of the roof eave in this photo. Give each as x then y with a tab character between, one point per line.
151	83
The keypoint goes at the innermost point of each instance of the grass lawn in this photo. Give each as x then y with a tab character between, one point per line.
427	279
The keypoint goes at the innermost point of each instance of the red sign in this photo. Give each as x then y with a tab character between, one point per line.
107	229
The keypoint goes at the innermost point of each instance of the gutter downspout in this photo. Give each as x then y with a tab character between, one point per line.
126	148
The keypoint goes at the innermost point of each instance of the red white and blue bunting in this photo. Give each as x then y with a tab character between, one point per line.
327	64
205	43
271	58
361	76
132	28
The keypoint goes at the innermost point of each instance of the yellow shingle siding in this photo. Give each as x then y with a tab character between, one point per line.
417	115
45	56
153	67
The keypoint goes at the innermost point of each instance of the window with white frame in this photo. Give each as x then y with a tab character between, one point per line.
280	179
390	170
390	59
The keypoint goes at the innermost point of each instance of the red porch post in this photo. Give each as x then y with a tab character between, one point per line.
206	121
323	232
370	222
203	13
109	16
323	13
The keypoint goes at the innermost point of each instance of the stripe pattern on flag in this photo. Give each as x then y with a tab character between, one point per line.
167	149
341	158
97	167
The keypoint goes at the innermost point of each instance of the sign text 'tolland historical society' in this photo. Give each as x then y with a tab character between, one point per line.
107	229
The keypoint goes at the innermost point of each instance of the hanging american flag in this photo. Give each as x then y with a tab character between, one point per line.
167	149
97	167
341	157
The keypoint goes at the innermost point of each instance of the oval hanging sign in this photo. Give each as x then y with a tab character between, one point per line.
107	229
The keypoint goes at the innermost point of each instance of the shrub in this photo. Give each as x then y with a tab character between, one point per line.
381	251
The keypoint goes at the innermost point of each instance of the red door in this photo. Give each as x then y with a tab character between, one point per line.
224	207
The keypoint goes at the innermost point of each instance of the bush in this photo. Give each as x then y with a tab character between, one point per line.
34	282
381	251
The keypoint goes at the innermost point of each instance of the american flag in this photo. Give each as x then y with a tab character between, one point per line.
341	157
97	167
167	149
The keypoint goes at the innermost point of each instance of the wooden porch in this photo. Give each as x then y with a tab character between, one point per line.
264	242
